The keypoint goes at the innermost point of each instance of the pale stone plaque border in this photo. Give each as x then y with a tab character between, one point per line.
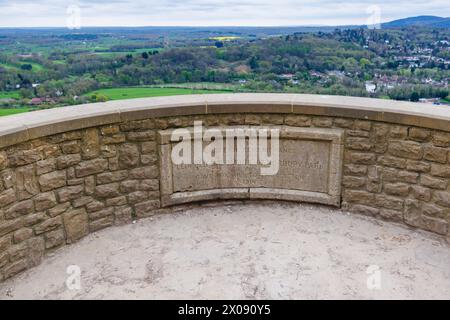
332	197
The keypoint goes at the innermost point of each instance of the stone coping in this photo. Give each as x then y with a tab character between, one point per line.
20	128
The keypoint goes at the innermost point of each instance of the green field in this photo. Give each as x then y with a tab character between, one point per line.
36	66
8	112
10	95
123	53
132	93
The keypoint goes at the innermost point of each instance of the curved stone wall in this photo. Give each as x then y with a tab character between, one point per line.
71	171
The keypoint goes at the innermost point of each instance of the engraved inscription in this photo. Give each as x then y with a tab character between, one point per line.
303	166
310	169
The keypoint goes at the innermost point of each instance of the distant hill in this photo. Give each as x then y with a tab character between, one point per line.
420	21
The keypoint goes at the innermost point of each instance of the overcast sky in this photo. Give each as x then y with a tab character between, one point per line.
39	13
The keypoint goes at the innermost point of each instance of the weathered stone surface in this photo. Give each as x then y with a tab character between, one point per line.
148	147
90	145
33	219
118	201
66	161
442	171
364	210
109	130
4	259
435	154
109	177
149	185
18	251
71	147
45	201
3	160
26	182
15	268
52	180
91	167
353	182
145	208
359	197
322	122
141	136
441	139
107	190
82	201
393	162
439	226
54	239
48	225
59	209
7	197
442	198
362	125
147	159
19	209
138	196
361	144
129	186
123	215
432	182
45	166
115	139
419	134
298	121
413	215
101	223
393	215
418	166
109	151
9	178
397	189
95	206
22	158
138	125
128	155
70	193
433	210
421	193
36	249
101	214
355	170
75	224
406	149
360	158
89	185
343	123
398	132
148	172
22	235
388	202
394	175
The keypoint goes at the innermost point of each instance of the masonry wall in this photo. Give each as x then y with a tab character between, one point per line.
57	189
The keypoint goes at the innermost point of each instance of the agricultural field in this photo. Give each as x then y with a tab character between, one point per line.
10	95
226	38
8	112
36	66
146	92
132	52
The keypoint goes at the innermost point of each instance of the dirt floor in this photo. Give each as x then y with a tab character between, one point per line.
245	251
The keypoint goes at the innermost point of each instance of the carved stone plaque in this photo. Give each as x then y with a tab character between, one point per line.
309	169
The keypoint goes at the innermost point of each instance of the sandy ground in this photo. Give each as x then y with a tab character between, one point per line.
246	251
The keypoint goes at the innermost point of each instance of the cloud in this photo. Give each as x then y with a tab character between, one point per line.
36	13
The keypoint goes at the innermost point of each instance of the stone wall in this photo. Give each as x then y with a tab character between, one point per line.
56	189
